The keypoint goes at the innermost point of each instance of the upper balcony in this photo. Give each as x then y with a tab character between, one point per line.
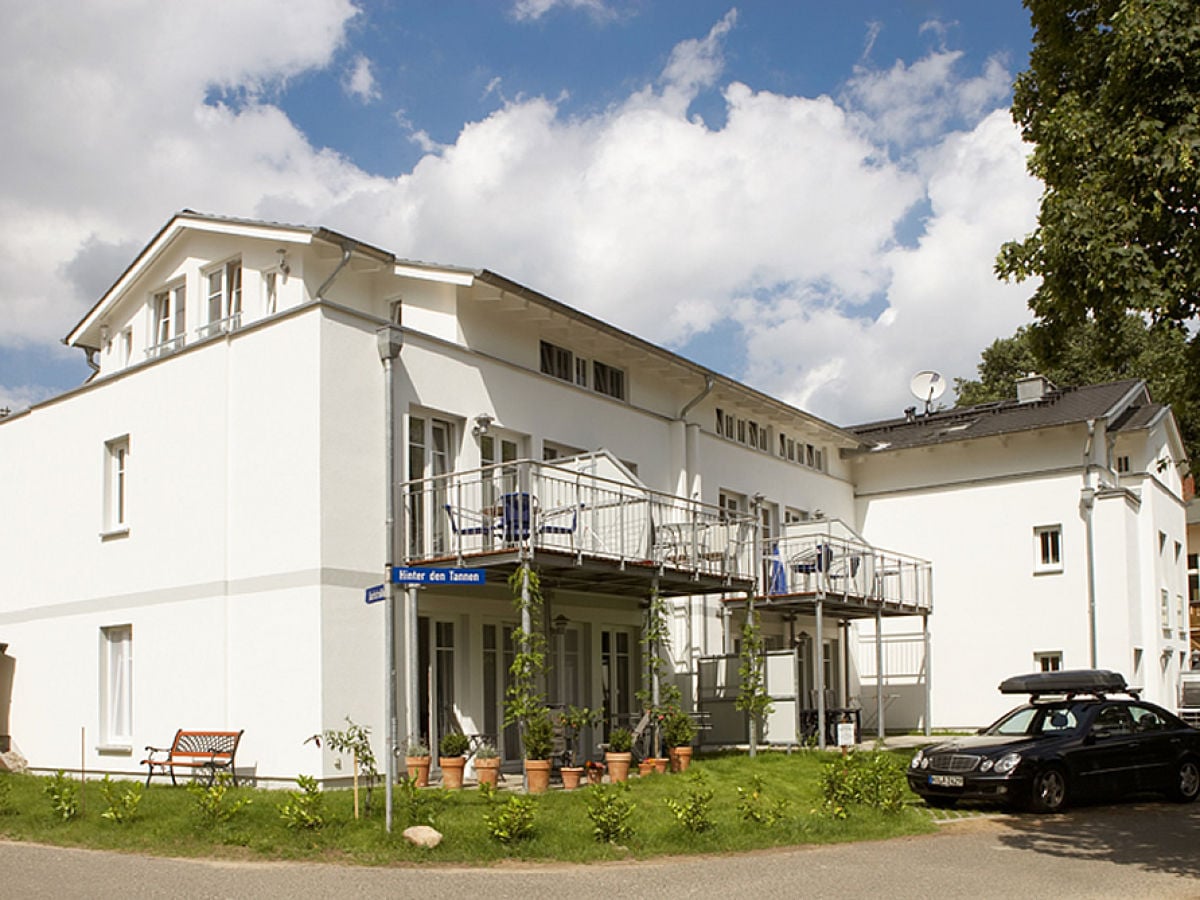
825	560
590	525
587	523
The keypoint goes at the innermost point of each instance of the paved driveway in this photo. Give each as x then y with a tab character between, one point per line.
1149	850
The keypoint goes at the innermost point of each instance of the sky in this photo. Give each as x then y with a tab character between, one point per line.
802	195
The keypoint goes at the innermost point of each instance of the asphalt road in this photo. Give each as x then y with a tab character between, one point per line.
1128	851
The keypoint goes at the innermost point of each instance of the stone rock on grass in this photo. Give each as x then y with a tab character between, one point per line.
423	836
12	761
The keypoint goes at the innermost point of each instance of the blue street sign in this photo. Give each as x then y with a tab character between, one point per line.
376	593
402	575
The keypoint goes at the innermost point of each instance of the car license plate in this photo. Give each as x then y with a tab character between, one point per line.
946	780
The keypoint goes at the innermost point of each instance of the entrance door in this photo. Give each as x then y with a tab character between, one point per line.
435	660
497	662
617	679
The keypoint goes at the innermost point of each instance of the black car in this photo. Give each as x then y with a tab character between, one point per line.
1074	740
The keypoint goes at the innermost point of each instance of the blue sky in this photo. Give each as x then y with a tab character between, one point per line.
804	195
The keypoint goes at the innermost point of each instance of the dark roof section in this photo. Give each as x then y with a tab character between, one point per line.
1126	404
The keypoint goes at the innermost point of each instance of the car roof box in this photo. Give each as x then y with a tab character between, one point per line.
1071	681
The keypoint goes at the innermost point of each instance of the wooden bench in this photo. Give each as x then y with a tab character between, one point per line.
195	750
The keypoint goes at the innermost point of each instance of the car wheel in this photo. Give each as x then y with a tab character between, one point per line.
1187	781
1049	791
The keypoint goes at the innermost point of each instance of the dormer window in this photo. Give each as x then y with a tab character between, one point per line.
224	286
169	312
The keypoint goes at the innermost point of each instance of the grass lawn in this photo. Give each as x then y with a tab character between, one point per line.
167	820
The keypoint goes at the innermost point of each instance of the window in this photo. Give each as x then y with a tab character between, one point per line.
731	504
552	451
608	381
271	292
1048	548
1048	661
430	459
224	299
170	314
125	343
1193	573
116	686
557	361
581	378
1164	609
1123	465
116	488
791	516
1180	615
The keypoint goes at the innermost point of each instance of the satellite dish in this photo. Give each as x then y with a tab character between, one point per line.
927	386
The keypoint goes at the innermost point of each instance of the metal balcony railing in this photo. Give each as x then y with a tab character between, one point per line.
827	558
535	508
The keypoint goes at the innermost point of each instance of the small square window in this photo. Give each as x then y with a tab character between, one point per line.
1048	661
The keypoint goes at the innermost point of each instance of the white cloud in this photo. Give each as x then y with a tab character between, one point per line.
532	10
359	83
784	219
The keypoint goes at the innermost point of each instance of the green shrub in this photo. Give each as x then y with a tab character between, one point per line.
455	744
620	741
539	736
609	808
414	806
753	806
64	795
304	808
7	808
512	821
694	811
678	729
122	800
212	803
874	779
356	740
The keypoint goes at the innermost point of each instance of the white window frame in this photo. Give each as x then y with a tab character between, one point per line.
1048	661
610	381
1047	549
168	320
1164	609
116	488
116	687
223	298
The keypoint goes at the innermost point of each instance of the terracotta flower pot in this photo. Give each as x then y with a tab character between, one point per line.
418	769
595	774
452	771
681	758
618	766
660	765
646	767
571	776
488	770
537	775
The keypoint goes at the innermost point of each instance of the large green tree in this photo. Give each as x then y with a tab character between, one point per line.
1111	104
1091	354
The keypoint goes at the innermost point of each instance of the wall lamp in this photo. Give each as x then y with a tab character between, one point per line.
483	424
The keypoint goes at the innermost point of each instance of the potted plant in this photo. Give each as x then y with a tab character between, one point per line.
619	754
487	764
453	759
539	744
678	733
574	720
416	759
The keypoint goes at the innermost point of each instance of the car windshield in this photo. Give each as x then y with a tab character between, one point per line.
1035	720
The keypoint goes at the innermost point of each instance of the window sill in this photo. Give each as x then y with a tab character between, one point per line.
1049	570
114	533
115	749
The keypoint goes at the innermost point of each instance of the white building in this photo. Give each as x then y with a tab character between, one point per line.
1056	524
190	534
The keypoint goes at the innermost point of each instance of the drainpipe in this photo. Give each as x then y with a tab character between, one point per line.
347	250
91	358
689	444
389	340
1087	500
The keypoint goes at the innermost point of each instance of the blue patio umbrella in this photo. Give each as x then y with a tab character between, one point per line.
778	580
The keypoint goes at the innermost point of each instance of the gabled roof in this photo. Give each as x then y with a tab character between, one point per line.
1125	405
188	220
